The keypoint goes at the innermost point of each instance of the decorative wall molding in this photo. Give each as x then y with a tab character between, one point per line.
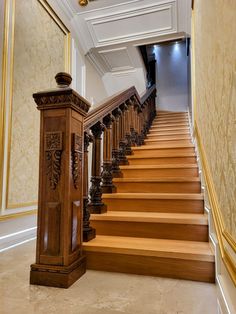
226	253
103	27
117	59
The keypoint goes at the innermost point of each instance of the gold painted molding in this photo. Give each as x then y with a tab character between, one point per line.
67	63
8	24
17	215
216	213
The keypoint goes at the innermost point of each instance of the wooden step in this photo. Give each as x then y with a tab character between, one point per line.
187	227
155	257
164	130
169	125
155	202
167	137
171	114
153	171
167	141
169	120
158	185
149	151
177	158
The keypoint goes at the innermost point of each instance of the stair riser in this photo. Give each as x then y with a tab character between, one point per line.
152	266
162	151
162	161
153	173
168	137
172	142
169	231
171	129
165	120
158	187
168	134
155	205
170	125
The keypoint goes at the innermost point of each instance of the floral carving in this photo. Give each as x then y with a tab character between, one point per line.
53	148
76	158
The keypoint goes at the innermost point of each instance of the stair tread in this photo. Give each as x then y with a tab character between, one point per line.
173	218
191	250
179	196
164	166
158	179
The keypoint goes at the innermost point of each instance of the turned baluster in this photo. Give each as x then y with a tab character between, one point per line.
96	205
107	185
122	142
115	144
127	128
132	121
89	233
140	140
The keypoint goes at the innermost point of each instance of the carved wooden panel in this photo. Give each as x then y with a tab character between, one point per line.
53	147
77	145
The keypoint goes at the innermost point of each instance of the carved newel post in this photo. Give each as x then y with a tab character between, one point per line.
59	258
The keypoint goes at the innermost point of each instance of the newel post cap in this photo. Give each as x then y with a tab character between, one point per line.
63	79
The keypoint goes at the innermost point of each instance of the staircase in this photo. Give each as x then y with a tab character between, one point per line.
155	222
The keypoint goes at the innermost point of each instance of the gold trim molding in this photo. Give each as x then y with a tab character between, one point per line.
216	213
7	76
17	215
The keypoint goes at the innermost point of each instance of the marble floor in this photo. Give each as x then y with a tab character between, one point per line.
98	292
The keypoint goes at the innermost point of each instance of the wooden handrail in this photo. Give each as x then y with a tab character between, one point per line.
100	111
65	197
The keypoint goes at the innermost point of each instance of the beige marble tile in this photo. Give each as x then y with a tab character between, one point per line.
98	292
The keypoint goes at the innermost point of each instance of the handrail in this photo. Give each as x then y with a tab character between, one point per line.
113	102
66	198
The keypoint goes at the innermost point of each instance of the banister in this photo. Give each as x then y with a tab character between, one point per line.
66	199
113	102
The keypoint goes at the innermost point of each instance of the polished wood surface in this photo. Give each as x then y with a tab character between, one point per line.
158	208
65	201
59	257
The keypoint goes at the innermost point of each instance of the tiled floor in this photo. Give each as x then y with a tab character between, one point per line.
98	292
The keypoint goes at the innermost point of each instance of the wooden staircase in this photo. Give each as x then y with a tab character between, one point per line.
155	222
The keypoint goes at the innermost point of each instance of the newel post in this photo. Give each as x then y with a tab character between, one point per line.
59	258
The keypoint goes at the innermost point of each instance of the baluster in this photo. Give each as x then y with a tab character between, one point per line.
107	185
140	141
89	233
59	258
132	131
127	128
96	205
115	144
122	143
136	110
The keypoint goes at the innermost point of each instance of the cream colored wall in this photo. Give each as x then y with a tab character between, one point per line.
215	112
95	89
214	95
38	54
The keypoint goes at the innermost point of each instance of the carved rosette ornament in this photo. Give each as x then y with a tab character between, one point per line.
76	158
53	149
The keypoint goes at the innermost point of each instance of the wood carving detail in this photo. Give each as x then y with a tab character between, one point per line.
53	148
76	158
